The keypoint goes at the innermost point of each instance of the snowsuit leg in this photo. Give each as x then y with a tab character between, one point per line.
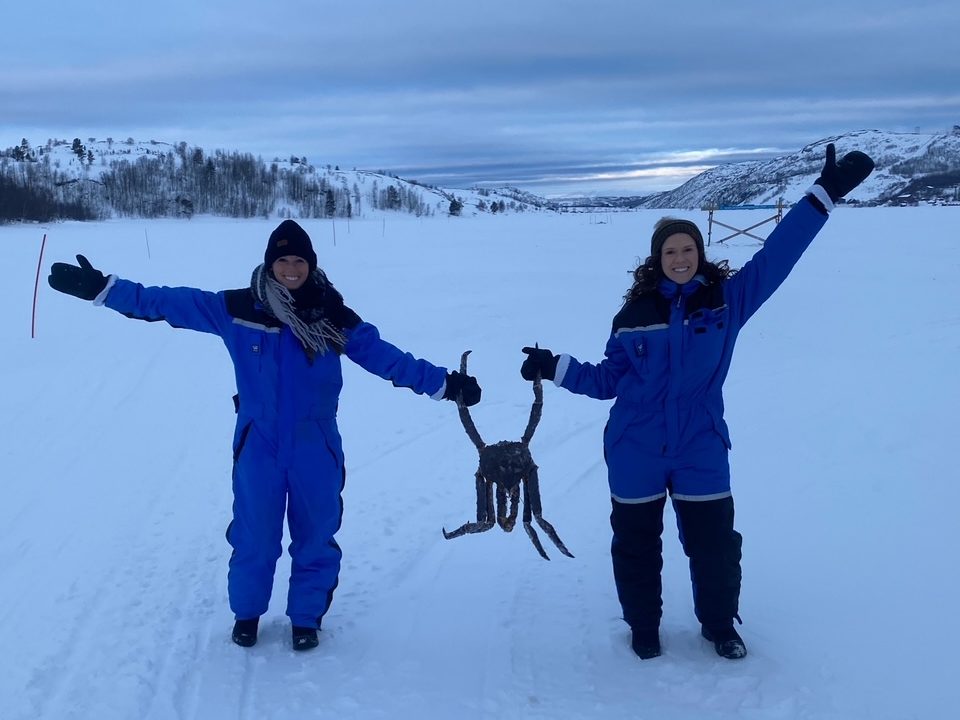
713	546
637	552
256	531
638	477
314	514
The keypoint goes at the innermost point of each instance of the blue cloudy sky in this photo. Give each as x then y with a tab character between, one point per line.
554	96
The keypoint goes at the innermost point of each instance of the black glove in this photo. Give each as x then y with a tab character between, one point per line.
839	178
540	361
462	386
84	282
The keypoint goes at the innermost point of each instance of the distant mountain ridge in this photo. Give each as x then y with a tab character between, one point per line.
105	178
911	169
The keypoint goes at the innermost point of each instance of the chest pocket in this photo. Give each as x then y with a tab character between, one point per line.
254	348
706	321
647	350
704	340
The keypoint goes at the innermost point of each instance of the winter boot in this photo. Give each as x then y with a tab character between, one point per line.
726	640
646	643
305	638
245	632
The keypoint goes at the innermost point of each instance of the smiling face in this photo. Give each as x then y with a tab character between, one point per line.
291	271
679	258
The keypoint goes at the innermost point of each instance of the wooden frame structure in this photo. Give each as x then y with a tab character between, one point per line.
711	221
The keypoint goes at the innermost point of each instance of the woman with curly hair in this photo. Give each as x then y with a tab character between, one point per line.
665	363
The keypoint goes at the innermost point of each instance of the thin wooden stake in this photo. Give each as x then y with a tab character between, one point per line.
36	287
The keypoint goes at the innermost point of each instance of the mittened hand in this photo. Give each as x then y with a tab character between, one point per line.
84	282
540	362
462	387
839	178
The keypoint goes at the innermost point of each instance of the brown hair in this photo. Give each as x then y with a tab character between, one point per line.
649	272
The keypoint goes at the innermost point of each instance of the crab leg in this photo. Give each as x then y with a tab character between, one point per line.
484	511
531	533
533	483
504	520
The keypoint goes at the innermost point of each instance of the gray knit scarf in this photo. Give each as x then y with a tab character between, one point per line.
315	332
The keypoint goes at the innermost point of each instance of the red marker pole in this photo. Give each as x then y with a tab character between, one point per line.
36	287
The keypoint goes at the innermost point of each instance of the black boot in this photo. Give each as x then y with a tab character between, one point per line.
245	632
646	643
305	638
726	641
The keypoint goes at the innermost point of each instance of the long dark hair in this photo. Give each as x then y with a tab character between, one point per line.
650	272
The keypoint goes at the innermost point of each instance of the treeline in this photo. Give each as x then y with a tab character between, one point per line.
179	181
937	159
24	201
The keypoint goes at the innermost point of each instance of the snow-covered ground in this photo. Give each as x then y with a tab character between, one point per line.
842	403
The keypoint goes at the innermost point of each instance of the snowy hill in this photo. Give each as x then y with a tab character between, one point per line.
104	178
912	168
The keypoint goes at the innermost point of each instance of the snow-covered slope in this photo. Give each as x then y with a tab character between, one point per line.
116	486
160	179
912	168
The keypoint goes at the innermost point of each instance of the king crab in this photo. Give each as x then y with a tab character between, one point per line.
507	466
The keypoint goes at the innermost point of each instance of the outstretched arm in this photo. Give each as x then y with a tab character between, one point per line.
596	381
180	307
368	350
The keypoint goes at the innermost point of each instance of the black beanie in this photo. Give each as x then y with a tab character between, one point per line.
289	239
666	228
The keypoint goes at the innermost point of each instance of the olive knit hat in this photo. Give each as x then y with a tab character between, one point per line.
668	226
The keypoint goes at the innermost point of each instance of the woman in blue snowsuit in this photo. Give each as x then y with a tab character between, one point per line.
665	362
285	334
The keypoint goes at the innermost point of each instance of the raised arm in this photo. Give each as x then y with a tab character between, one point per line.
765	272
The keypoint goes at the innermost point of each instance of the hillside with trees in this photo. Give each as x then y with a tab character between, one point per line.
100	179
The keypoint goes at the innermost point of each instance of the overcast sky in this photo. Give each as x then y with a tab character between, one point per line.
554	96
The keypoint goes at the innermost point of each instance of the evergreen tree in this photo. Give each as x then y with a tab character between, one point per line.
330	206
393	198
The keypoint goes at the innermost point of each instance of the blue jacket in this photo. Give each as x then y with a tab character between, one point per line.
276	383
669	352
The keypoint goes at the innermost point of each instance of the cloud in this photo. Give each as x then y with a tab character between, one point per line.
478	93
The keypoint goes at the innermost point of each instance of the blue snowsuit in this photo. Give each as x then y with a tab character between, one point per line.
665	363
287	451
